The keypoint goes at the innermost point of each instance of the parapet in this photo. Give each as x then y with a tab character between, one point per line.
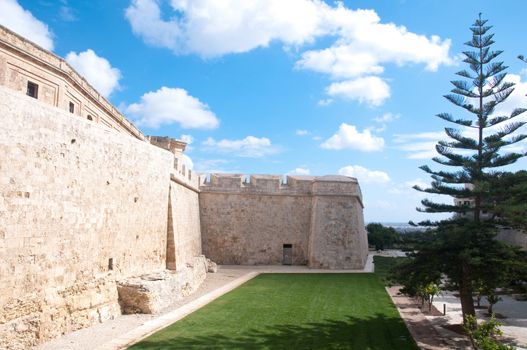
168	143
281	185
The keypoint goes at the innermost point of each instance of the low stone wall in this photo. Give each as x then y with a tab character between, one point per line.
153	292
27	321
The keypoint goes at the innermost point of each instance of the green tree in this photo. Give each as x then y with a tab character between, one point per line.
508	198
381	237
464	247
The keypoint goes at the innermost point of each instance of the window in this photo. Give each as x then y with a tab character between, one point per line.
32	89
89	117
72	107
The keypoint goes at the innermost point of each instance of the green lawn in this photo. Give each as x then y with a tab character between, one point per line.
293	311
383	264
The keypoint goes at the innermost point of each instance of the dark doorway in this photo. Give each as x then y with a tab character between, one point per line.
288	254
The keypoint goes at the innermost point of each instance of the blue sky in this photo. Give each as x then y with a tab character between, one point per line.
284	86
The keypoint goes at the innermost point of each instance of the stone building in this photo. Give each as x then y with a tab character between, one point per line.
97	219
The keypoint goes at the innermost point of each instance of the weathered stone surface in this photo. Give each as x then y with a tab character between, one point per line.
73	195
212	267
58	83
153	292
319	218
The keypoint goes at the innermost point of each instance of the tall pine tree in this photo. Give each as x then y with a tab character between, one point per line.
474	151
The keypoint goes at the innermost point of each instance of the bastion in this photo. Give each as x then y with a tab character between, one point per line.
97	219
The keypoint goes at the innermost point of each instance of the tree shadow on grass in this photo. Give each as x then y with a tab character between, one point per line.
374	333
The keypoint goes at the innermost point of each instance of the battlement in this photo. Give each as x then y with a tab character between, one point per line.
331	185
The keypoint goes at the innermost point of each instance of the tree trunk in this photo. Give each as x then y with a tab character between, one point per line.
465	293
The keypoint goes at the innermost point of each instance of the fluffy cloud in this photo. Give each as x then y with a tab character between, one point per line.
96	69
365	175
419	145
188	139
169	106
212	28
300	171
349	137
361	48
189	164
251	147
386	118
21	21
302	132
372	90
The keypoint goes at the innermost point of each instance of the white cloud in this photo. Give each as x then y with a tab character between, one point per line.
251	147
362	44
210	166
302	132
189	164
66	13
371	90
325	102
366	45
300	171
188	139
21	21
172	105
365	175
419	145
406	188
386	118
96	69
213	28
349	137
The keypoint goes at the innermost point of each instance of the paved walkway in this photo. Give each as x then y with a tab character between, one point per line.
423	331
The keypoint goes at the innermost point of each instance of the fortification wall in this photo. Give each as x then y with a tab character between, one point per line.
80	207
253	220
58	84
513	237
184	226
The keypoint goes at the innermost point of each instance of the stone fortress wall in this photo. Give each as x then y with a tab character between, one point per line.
261	218
82	210
23	63
95	223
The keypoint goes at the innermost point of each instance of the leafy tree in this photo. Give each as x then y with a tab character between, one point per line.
484	336
492	299
465	249
381	236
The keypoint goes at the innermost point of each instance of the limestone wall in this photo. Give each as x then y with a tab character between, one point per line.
249	220
80	207
513	237
184	226
22	61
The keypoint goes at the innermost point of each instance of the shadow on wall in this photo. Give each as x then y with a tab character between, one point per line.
374	333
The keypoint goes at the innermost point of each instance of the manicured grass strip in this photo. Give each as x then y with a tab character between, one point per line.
383	264
293	311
